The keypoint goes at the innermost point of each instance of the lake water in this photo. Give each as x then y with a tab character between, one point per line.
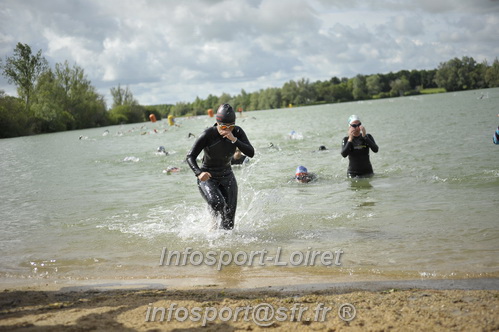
101	207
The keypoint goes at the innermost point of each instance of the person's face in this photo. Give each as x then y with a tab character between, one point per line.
302	177
355	125
224	128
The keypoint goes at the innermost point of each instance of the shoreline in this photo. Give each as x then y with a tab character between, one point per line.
376	284
443	304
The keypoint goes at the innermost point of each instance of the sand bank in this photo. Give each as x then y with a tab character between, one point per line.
418	305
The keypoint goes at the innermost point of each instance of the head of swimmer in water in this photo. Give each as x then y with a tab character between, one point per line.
301	174
355	125
226	118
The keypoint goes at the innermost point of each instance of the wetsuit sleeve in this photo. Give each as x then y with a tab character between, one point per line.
243	143
346	147
371	143
194	153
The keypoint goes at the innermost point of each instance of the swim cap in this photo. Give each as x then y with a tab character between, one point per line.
353	118
301	169
226	114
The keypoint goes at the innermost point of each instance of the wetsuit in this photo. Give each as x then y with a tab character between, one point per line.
496	136
220	191
358	155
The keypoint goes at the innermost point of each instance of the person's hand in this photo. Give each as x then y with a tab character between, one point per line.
227	133
363	129
204	176
351	131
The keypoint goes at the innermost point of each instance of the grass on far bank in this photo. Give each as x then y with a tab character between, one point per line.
434	90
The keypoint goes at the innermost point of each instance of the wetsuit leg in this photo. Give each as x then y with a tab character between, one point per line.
211	193
221	196
229	189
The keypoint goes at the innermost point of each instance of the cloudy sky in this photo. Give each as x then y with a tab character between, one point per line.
168	51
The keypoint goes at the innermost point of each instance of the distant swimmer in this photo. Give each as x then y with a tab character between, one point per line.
238	158
496	136
271	146
216	181
303	176
356	146
295	135
162	149
131	159
322	148
171	169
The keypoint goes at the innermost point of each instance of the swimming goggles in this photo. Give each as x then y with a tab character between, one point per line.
355	125
224	126
301	176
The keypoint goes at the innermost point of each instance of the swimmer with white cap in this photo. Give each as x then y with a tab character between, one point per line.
303	176
356	146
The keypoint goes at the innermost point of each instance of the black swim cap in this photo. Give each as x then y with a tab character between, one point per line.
226	114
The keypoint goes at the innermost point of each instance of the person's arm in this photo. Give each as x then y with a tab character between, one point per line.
371	143
346	147
243	143
194	153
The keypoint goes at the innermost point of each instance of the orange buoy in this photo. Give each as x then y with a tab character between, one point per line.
152	117
210	113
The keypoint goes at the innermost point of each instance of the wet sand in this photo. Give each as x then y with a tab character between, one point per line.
407	305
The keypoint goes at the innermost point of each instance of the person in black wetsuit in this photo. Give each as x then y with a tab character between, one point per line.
216	181
356	146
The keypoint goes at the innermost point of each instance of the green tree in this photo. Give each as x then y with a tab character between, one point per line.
373	85
80	99
127	114
48	105
492	75
198	106
359	89
23	69
341	92
306	93
14	120
254	100
400	86
428	79
211	102
289	91
122	96
458	74
323	91
243	100
225	98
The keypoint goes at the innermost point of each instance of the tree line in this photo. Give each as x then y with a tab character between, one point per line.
63	98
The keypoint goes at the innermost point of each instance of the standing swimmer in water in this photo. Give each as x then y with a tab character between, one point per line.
216	181
356	146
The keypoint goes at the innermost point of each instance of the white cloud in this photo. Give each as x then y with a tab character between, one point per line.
170	51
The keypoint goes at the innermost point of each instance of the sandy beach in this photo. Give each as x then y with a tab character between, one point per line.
431	305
